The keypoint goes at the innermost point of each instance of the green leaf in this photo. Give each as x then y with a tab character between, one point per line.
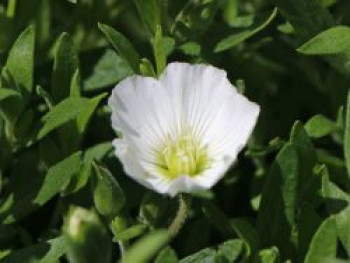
8	93
230	10
144	249
75	85
219	219
65	111
194	19
146	68
58	177
122	45
95	153
334	40
85	115
324	242
320	126
20	62
270	255
235	39
347	135
161	48
45	96
191	48
279	200
130	233
150	12
109	70
205	255
307	160
307	228
152	208
87	238
66	63
231	250
246	232
338	204
108	197
45	252
167	255
309	18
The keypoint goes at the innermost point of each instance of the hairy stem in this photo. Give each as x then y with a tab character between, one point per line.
180	217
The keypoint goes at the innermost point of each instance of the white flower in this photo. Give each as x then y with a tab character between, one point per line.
183	131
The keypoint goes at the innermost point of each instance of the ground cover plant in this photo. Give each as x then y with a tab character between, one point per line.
66	197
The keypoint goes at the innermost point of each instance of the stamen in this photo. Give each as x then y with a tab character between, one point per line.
183	155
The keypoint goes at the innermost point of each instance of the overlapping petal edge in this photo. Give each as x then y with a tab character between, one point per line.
197	98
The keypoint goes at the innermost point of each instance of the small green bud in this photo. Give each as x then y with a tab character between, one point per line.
88	240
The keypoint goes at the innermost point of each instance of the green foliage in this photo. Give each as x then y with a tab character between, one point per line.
237	38
65	66
122	45
58	177
109	198
331	41
64	196
144	249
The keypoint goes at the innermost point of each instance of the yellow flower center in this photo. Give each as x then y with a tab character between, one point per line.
182	156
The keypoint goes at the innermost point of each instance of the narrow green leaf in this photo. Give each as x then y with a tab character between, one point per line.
205	255
108	197
231	250
144	249
65	111
167	255
75	85
45	96
122	45
308	189
150	12
152	208
159	52
109	70
309	18
191	48
85	115
235	39
324	242
230	10
347	136
146	68
194	19
8	93
95	153
279	200
270	255
45	252
307	228
219	219
58	177
338	203
131	232
66	64
334	40
20	62
320	126
248	233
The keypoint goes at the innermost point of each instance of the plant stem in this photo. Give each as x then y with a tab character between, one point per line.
180	217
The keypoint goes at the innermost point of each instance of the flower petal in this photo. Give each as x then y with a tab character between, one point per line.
139	111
